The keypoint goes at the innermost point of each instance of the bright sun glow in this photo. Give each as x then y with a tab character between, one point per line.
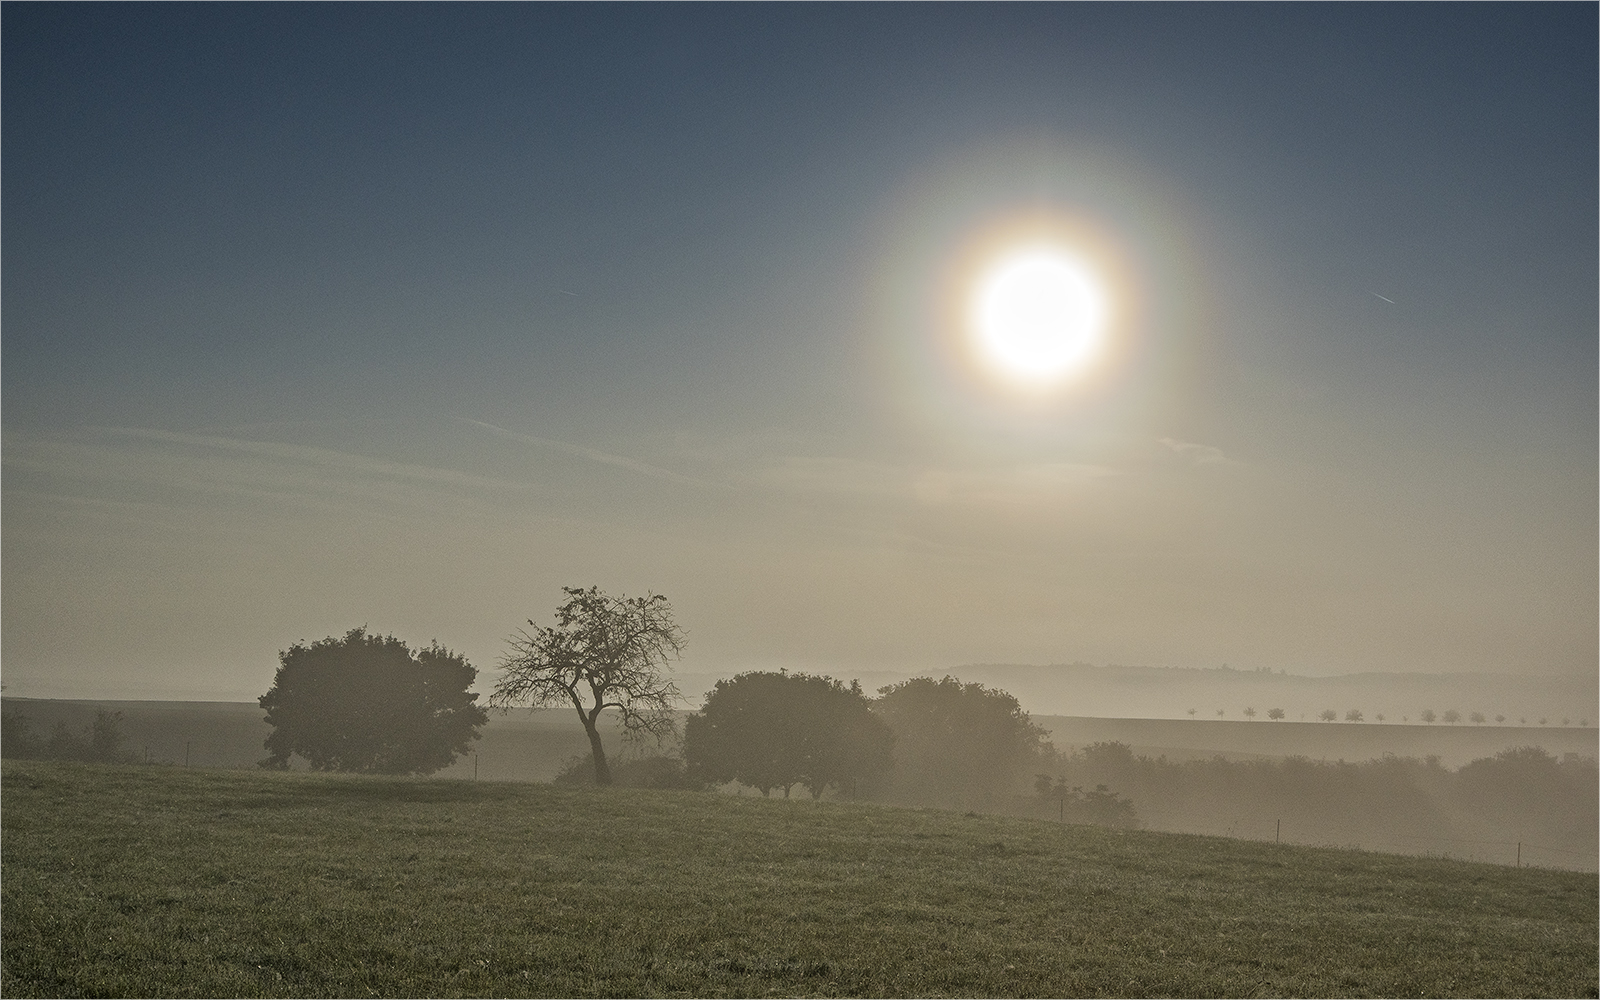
1038	316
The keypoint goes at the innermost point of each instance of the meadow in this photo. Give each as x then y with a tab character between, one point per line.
149	880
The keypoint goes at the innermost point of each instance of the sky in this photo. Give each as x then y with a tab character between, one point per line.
405	317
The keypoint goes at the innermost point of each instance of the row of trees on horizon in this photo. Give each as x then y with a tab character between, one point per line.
1427	715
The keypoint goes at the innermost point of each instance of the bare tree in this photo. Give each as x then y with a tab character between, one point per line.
603	652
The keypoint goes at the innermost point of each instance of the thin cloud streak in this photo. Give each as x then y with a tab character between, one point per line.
1197	454
594	455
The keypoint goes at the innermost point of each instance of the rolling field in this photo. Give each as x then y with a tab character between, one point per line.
141	881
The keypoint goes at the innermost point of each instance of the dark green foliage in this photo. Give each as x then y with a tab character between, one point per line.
123	881
959	745
603	652
368	704
778	730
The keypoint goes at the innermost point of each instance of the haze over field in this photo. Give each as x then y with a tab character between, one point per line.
323	316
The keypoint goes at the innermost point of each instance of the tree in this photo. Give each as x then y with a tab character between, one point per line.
1328	715
1250	714
1478	718
367	703
1499	720
603	652
959	744
1354	715
1191	713
1275	714
1452	716
777	730
1427	716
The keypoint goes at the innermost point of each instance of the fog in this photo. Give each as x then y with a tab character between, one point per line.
1464	791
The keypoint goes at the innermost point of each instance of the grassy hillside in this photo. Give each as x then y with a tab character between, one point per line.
163	881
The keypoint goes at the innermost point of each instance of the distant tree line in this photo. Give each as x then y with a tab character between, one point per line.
1523	793
100	742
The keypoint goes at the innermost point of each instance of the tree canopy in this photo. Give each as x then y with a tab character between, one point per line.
959	744
367	703
603	652
777	730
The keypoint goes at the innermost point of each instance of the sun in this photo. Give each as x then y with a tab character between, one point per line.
1037	316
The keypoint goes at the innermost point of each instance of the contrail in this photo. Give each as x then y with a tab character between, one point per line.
593	455
563	291
1385	298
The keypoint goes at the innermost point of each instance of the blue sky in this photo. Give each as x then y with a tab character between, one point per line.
407	316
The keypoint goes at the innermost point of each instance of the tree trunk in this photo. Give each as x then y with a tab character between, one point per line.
602	770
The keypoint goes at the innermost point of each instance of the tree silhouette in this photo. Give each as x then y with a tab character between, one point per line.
1354	715
958	743
367	703
1328	715
1452	716
1478	718
603	652
1275	714
776	730
1427	716
1250	713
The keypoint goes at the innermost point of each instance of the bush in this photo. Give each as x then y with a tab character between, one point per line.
659	771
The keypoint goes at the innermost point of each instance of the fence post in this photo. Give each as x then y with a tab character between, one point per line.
1519	854
1277	838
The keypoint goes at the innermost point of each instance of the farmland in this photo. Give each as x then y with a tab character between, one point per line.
126	880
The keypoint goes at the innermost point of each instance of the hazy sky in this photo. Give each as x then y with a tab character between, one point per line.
405	316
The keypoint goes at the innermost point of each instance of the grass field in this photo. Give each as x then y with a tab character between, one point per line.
139	881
